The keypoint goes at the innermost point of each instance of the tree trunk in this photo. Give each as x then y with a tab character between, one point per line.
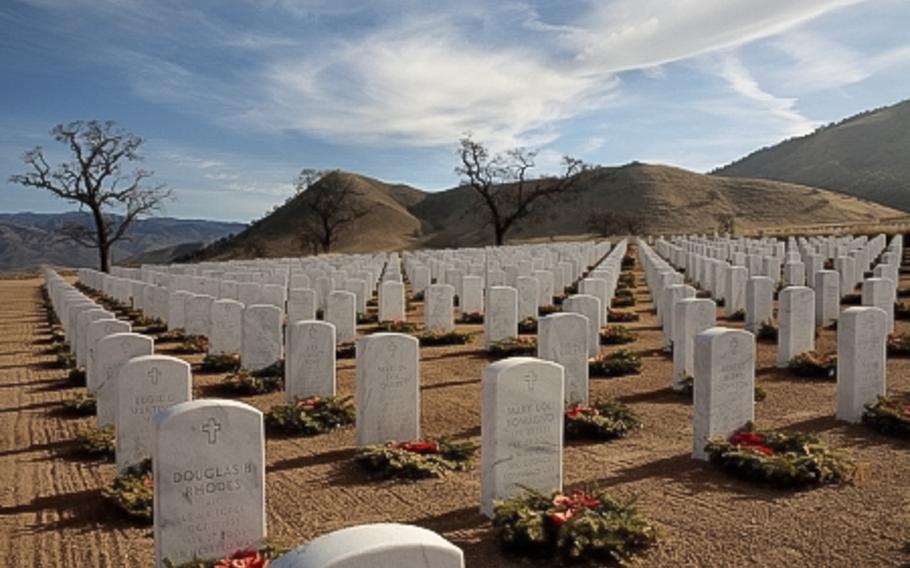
500	235
104	245
104	252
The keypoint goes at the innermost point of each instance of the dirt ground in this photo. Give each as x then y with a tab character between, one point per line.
52	512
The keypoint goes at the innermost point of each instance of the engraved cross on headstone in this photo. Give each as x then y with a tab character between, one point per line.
154	374
211	428
531	378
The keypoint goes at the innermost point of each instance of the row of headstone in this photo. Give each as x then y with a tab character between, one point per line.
506	306
801	307
725	374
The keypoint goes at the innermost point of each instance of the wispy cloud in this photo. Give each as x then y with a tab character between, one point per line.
426	88
782	109
425	78
633	34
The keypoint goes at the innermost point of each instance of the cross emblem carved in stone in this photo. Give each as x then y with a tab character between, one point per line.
212	427
530	379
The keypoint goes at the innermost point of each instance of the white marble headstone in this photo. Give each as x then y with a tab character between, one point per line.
861	343
112	351
261	341
563	339
309	368
388	388
382	545
724	391
208	462
521	429
146	385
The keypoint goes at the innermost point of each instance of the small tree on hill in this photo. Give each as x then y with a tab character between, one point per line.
605	222
726	223
95	179
331	204
504	186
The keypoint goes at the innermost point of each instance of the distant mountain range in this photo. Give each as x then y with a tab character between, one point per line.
867	155
30	239
667	199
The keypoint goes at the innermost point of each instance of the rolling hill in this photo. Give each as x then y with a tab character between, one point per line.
668	199
867	156
30	239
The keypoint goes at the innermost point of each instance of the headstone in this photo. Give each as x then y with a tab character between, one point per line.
599	288
438	307
861	343
500	321
827	297
146	385
590	307
691	317
796	323
301	304
112	351
388	388
95	331
759	302
391	301
341	311
420	280
877	292
226	334
176	314
528	291
309	368
198	315
361	293
227	290
735	295
845	267
671	295
521	429
563	339
261	337
274	295
249	293
471	299
794	274
724	390
381	545
83	320
208	463
547	287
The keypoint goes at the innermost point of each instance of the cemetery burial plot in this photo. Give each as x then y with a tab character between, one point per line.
57	515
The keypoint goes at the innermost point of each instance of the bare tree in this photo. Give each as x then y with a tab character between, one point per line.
604	222
726	223
504	186
95	179
607	222
633	222
330	198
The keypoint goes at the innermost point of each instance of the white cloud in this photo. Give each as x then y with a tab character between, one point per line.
426	89
632	34
422	73
817	63
782	109
425	80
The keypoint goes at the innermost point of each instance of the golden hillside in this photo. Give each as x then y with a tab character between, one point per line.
668	199
867	155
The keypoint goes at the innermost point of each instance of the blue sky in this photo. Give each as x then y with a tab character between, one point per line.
235	97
